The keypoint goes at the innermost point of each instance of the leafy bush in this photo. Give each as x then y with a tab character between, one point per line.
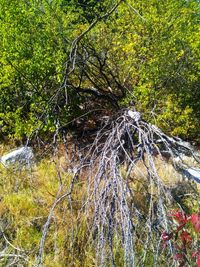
184	242
54	69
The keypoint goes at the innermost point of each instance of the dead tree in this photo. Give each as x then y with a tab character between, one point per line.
123	141
110	158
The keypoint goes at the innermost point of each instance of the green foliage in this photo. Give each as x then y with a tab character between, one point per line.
146	52
153	51
35	39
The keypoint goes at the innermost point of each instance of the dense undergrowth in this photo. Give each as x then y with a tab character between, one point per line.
28	195
62	59
76	69
26	198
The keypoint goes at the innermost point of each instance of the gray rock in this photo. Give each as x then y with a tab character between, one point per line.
20	157
136	116
192	173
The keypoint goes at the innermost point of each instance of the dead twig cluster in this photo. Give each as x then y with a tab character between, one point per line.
124	140
123	144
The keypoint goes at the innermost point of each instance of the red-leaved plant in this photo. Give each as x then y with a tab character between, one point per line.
181	239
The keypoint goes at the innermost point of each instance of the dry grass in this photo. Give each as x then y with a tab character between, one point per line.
27	197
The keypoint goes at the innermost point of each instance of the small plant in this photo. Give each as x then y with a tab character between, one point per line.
183	238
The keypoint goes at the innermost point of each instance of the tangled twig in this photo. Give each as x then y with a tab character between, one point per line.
123	141
110	159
